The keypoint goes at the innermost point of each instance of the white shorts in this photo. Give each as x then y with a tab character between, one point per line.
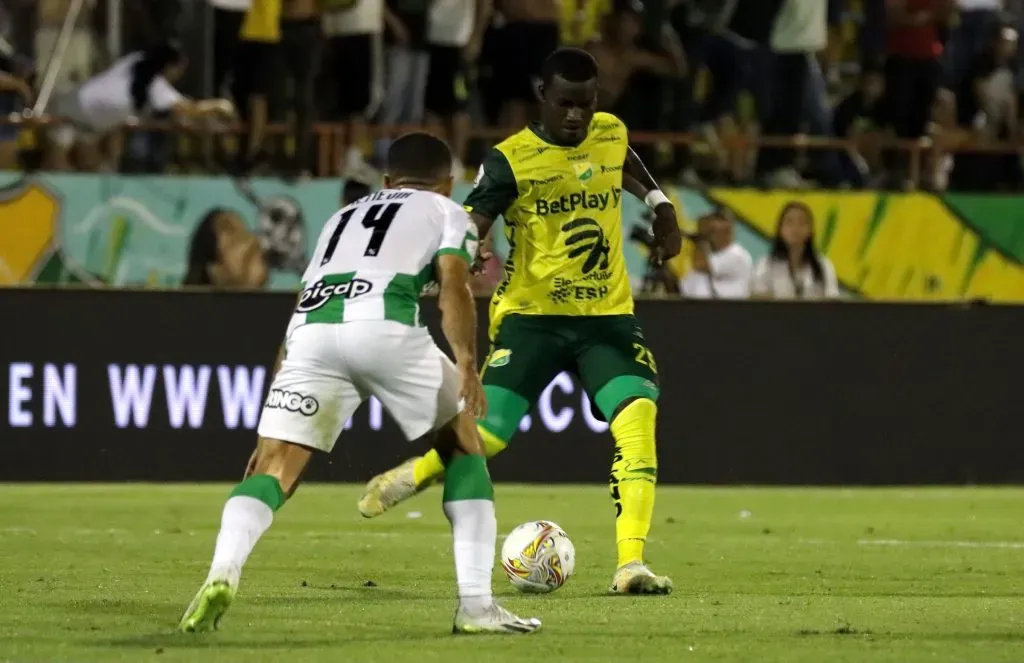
330	369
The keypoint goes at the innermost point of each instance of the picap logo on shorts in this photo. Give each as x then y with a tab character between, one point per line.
499	358
320	293
293	402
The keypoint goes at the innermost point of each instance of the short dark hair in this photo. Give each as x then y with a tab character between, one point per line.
419	156
572	64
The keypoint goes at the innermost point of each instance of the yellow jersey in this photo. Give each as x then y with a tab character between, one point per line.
262	22
562	207
580	20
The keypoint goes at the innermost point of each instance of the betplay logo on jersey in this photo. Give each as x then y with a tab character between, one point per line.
566	204
322	291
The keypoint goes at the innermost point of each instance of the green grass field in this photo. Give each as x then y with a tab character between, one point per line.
102	573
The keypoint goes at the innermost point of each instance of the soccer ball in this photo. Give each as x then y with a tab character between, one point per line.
538	557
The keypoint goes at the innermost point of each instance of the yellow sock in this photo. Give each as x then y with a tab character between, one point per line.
429	468
633	477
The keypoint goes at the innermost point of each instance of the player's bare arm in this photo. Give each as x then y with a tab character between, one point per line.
638	181
458	321
486	250
493	193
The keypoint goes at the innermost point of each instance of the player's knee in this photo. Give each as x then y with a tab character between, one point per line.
281	460
622	392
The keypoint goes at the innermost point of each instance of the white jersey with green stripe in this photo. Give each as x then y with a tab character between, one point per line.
375	257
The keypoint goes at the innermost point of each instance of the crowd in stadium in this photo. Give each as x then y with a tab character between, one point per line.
725	72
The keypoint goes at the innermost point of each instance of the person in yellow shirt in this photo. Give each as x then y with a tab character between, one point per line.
565	303
256	65
581	21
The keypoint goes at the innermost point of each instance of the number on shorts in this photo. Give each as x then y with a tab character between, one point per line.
646	357
378	217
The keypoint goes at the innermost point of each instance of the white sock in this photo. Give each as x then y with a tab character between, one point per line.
244	521
474	530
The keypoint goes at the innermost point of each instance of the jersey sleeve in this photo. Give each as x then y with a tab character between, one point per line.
495	187
458	233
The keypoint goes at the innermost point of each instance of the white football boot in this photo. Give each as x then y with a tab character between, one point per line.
490	620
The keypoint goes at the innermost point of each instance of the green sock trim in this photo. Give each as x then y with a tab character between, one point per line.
262	487
616	390
467	478
505	409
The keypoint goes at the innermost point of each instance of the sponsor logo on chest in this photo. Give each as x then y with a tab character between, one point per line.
568	203
320	293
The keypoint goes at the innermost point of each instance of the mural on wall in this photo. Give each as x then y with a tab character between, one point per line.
105	230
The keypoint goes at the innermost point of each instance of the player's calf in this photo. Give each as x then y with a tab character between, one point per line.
273	473
469	506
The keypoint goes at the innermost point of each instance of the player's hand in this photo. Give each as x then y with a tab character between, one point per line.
484	253
472	391
667	236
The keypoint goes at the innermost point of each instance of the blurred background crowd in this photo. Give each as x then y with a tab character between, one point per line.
780	93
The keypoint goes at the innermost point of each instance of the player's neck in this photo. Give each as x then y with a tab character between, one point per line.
413	184
538	129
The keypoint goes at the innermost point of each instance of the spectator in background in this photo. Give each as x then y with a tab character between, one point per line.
580	21
455	33
302	51
15	94
352	76
794	269
913	72
257	65
619	57
696	22
138	84
228	16
987	108
971	37
858	117
738	61
80	57
530	34
721	268
799	33
407	65
225	254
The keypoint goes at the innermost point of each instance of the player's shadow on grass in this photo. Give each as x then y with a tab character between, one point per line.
175	640
170	640
321	593
886	636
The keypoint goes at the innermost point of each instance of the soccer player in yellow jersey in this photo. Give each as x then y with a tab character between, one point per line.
565	302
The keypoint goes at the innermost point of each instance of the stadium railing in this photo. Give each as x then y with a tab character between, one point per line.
328	137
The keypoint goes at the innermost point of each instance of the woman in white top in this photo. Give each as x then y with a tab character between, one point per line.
136	85
794	269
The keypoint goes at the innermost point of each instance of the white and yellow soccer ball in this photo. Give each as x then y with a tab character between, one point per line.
538	557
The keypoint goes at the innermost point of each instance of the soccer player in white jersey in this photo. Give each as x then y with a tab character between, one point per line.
355	333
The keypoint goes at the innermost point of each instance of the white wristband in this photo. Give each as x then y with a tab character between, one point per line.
655	198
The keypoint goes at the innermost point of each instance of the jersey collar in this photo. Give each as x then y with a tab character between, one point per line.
539	131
